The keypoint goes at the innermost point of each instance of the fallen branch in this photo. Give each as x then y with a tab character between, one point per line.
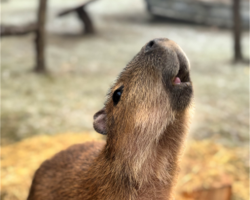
10	30
82	14
67	11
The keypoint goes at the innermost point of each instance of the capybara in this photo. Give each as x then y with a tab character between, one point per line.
146	118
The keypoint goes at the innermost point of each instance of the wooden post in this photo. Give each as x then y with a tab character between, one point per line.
237	31
40	38
86	21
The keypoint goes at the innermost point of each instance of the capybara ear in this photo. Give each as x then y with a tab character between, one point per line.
100	121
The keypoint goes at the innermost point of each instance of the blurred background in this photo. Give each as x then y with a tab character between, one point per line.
59	58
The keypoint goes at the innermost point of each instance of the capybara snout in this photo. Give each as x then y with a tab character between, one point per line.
173	67
169	58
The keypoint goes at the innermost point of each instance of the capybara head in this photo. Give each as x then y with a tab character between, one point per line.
148	95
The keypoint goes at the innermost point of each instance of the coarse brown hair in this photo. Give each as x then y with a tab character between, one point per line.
146	118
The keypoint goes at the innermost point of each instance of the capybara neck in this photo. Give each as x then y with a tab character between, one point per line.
140	168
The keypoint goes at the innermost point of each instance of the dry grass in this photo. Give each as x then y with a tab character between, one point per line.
208	165
20	160
204	165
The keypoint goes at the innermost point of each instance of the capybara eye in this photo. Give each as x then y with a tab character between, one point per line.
117	95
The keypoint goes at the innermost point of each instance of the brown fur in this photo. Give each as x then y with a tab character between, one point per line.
145	133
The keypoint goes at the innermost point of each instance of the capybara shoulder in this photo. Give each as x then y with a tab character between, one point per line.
65	169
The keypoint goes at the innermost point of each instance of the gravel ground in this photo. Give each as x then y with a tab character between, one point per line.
82	68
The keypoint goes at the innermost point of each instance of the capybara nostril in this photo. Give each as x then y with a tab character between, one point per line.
157	42
151	43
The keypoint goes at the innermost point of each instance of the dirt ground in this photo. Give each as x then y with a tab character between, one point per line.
82	68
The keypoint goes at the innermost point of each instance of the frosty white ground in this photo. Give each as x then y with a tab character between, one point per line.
83	68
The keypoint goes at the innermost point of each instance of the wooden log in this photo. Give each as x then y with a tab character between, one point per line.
86	21
74	9
237	31
10	30
40	38
82	14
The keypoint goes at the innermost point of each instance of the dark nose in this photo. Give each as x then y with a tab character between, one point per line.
154	43
150	44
